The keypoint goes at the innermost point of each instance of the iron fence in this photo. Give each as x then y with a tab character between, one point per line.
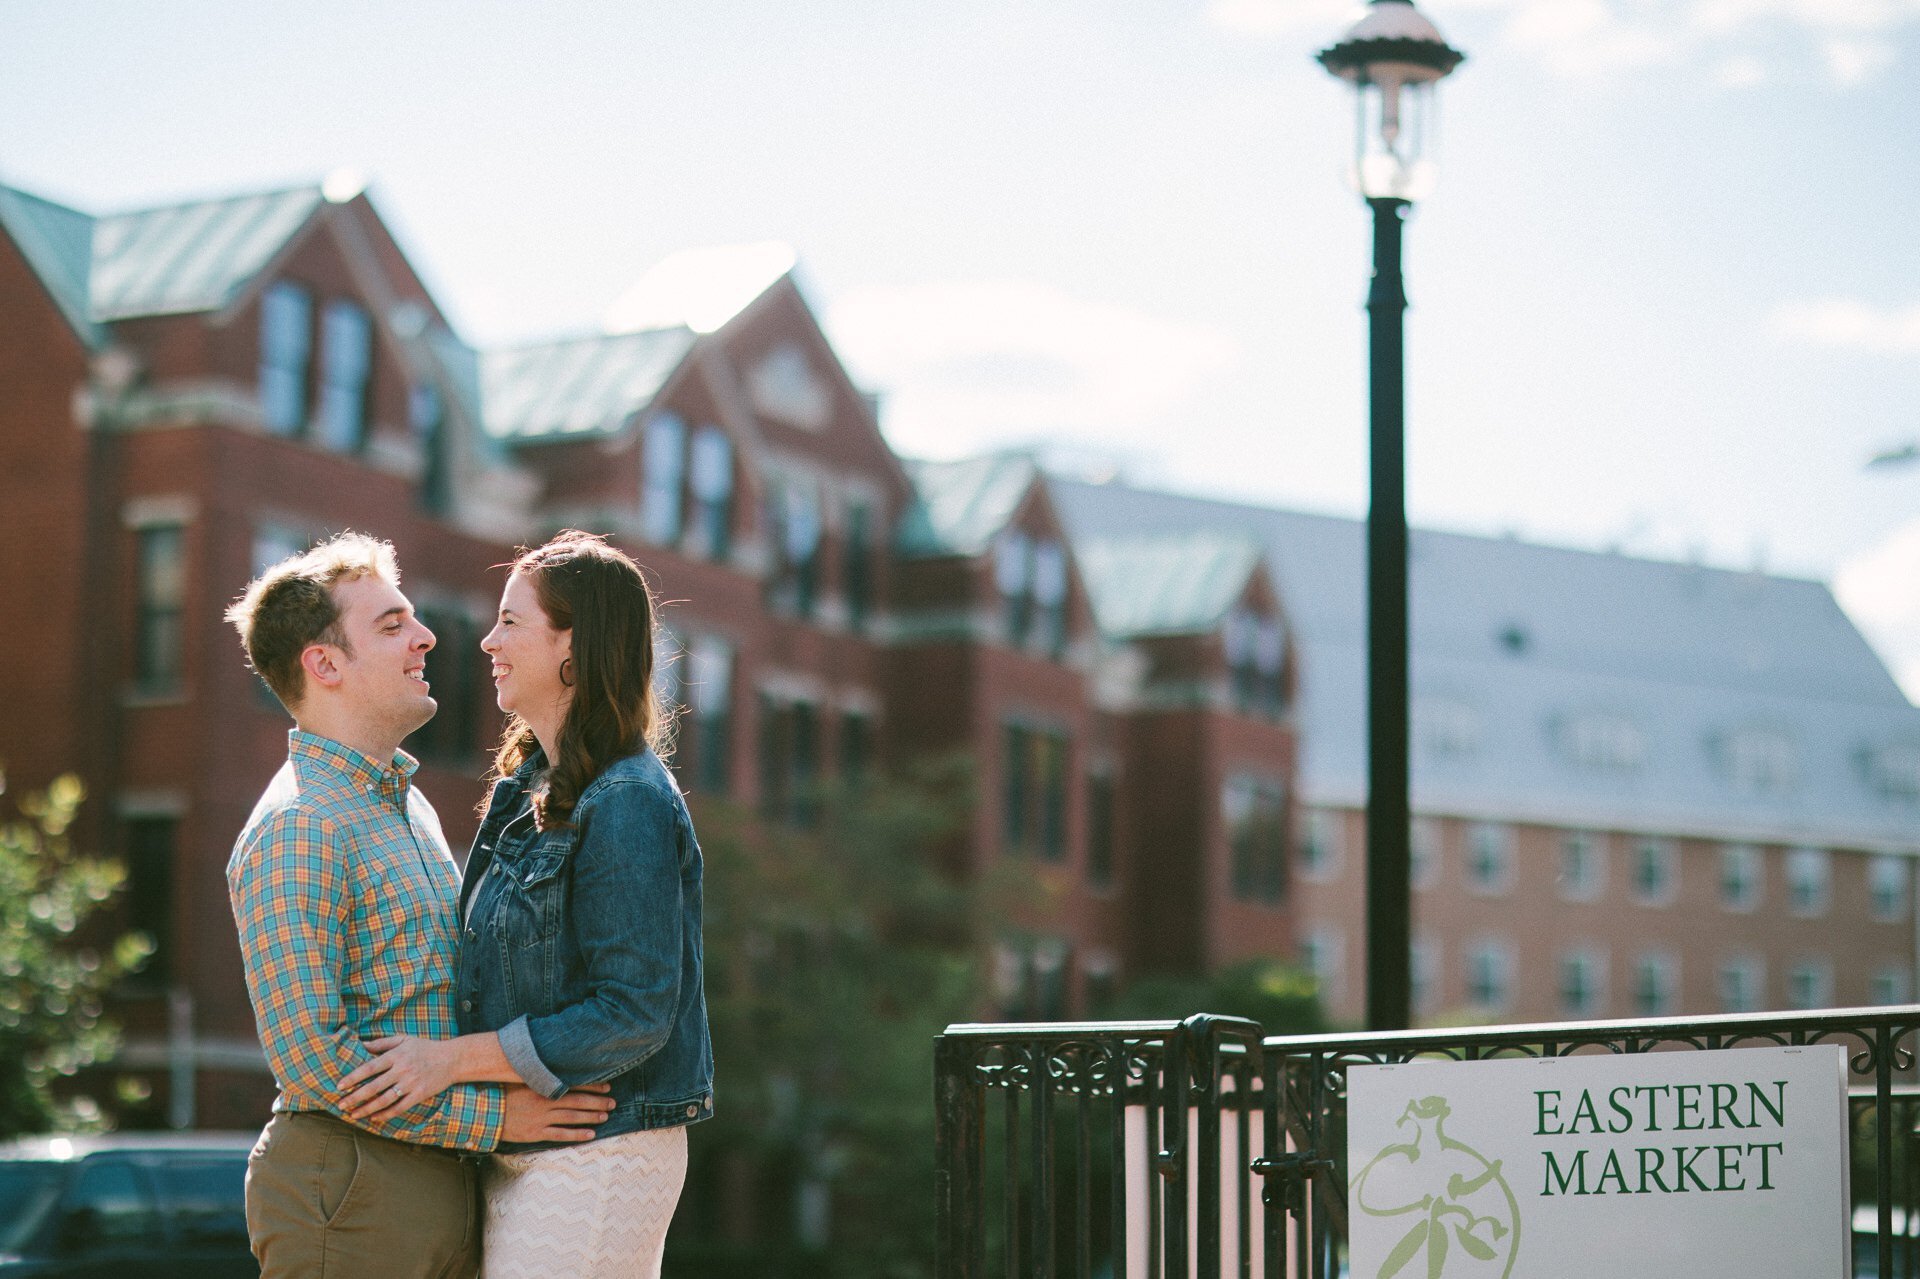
1170	1150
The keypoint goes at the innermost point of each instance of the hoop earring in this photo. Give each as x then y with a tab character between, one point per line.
566	672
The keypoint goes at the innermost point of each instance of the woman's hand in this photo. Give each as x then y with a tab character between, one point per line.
404	1072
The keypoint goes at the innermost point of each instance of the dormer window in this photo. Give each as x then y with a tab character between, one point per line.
1446	729
1256	652
1893	771
664	453
1031	576
1759	761
1602	742
346	363
286	340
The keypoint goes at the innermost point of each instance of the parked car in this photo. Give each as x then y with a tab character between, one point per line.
125	1206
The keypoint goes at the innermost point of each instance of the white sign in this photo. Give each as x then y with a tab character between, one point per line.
1728	1164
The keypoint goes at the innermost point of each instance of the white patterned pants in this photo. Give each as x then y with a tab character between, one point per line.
598	1210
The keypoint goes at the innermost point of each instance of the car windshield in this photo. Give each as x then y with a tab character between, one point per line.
27	1192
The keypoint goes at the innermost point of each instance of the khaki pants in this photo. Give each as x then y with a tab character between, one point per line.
328	1201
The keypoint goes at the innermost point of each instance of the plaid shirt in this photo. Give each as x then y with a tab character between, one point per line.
347	903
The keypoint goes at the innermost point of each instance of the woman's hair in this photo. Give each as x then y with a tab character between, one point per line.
597	592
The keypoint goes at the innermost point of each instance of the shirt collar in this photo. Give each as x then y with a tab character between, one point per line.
312	753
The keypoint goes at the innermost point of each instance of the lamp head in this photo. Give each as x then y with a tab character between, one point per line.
1393	56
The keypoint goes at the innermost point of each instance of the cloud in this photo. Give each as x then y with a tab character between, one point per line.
965	365
1880	589
1849	41
1850	324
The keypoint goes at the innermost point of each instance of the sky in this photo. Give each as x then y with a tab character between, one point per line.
1666	295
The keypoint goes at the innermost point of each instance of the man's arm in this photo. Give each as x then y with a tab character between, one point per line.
291	903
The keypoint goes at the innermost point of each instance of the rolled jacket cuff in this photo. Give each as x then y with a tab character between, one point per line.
516	1041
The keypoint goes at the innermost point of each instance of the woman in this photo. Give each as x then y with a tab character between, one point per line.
580	960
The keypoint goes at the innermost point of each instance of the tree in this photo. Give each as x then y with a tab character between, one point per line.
834	956
53	979
1284	999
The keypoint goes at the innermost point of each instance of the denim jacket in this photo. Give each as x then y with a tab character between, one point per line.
581	947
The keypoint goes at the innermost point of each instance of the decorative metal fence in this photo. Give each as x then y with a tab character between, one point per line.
1169	1150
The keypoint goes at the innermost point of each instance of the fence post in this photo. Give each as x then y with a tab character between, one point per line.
959	1141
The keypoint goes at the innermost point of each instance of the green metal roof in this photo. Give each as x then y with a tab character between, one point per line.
579	387
58	244
1165	584
191	257
958	507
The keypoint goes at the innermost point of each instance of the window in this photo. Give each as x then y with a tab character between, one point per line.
711	478
1446	729
286	340
1320	845
1887	888
1742	980
789	761
1489	975
117	1211
1603	742
794	509
159	642
710	684
150	891
1426	975
663	462
1256	652
1583	983
1809	882
205	1197
1810	984
1323	952
455	677
1489	858
427	416
1031	576
1100	830
669	671
346	361
1760	761
1034	791
1256	818
1889	985
856	565
1656	872
1741	872
1583	866
1893	770
856	747
1656	984
1030	979
1423	868
1098	971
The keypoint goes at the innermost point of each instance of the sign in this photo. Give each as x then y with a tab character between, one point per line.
1728	1164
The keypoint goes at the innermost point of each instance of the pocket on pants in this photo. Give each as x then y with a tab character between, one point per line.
338	1176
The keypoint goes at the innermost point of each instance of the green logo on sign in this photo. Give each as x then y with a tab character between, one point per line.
1464	1212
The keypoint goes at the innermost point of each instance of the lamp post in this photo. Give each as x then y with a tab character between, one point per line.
1392	57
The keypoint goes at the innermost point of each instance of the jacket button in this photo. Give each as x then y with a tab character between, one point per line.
466	1005
692	1111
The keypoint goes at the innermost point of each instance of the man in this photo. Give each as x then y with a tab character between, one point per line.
345	897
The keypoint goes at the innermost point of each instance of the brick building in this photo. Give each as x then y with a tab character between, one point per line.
1642	787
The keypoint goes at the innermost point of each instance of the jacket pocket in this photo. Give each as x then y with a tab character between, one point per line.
532	902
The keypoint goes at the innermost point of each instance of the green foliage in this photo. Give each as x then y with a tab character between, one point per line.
53	983
1282	998
834	957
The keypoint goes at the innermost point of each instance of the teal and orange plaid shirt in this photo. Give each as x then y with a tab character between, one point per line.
347	903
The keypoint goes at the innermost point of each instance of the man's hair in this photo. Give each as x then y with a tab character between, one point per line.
291	605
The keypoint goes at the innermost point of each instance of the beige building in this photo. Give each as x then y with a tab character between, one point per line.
1641	788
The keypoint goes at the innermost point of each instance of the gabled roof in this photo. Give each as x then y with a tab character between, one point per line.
1165	583
191	257
577	387
959	507
58	244
1521	640
701	288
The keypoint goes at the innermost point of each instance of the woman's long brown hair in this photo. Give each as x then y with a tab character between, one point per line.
596	591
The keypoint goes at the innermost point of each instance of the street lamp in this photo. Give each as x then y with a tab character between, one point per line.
1392	57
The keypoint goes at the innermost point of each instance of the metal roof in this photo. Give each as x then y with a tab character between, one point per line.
58	244
959	507
1512	642
1165	583
191	257
577	387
